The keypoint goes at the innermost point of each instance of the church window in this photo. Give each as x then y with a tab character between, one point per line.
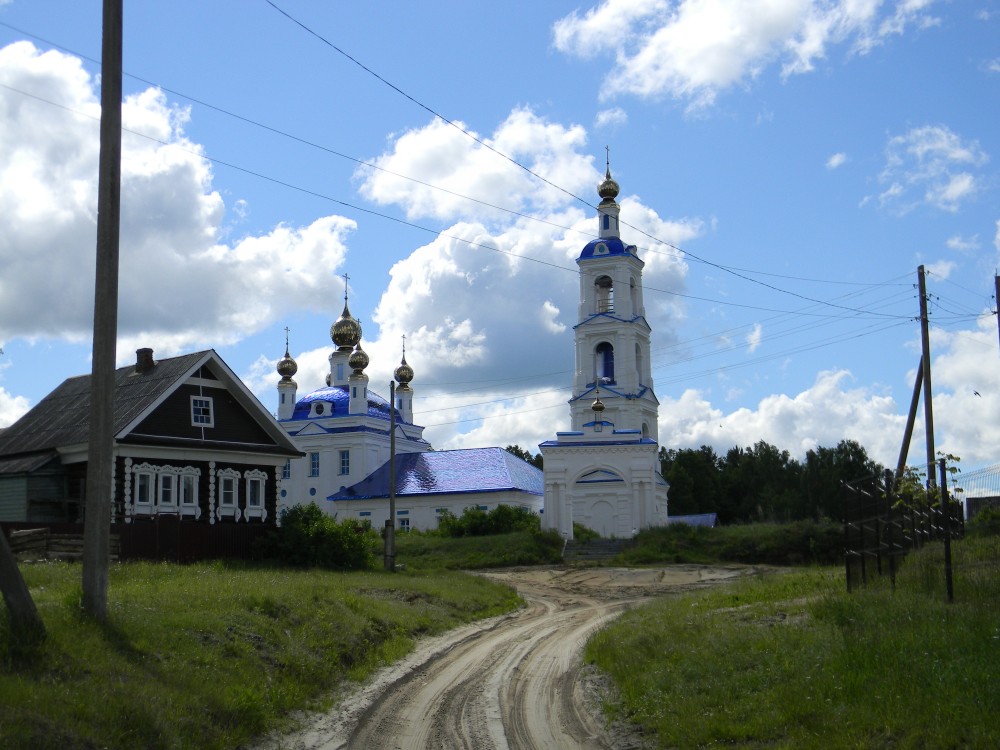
345	462
201	412
314	464
605	294
604	362
607	221
404	524
282	398
340	371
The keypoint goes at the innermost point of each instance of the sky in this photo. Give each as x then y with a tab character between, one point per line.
785	167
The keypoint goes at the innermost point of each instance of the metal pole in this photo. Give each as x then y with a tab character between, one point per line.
390	526
925	346
100	456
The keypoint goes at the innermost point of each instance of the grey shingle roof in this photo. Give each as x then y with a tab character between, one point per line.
63	417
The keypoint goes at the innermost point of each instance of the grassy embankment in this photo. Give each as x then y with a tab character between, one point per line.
793	661
207	656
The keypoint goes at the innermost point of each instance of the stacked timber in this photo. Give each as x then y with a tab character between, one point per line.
42	544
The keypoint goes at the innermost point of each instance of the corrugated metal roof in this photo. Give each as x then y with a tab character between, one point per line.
450	472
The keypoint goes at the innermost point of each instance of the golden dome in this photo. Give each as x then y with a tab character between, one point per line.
346	332
404	373
287	367
608	190
358	360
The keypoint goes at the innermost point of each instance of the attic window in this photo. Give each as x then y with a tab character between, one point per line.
202	414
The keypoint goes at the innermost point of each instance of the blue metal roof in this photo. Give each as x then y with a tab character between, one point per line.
339	400
606	246
470	470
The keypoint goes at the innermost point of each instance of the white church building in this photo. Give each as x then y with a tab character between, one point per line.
344	429
605	473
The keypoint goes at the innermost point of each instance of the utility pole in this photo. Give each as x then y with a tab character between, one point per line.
925	348
390	525
996	293
100	456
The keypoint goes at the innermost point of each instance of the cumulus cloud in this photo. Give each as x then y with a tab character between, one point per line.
930	165
609	118
180	285
694	49
837	160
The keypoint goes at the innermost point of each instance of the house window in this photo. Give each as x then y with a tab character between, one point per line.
255	494
227	480
404	524
201	412
314	464
286	470
144	483
188	491
365	513
227	492
345	462
167	496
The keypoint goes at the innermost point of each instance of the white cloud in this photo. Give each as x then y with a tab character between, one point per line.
609	118
837	160
963	244
942	268
693	49
180	286
11	408
930	165
444	159
754	337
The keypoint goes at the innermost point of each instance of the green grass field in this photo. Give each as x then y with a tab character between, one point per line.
207	656
793	661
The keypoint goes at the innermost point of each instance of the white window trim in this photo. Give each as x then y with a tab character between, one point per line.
211	411
148	507
256	511
166	506
192	507
232	509
314	468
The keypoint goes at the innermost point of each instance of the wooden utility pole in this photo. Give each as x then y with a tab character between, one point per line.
24	619
390	525
996	293
925	361
100	457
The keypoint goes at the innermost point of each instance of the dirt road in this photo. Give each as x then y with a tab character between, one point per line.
510	682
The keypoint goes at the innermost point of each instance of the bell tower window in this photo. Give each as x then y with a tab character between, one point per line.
605	289
604	361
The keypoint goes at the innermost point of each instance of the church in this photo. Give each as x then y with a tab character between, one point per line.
345	430
604	473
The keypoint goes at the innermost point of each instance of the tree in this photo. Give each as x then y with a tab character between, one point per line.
826	469
524	455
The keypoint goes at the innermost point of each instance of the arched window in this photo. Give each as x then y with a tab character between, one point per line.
639	364
607	221
605	289
604	363
634	293
645	429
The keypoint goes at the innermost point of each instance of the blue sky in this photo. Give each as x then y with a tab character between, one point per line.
785	166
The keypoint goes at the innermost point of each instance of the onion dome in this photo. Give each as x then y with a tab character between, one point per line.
359	360
404	373
608	190
346	332
598	405
287	367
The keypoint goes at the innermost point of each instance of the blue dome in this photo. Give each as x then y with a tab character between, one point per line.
337	401
606	246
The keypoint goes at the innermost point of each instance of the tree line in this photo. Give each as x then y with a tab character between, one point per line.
758	483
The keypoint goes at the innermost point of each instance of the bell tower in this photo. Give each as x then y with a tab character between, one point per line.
612	336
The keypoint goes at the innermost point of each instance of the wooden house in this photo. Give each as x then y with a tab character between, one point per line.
193	447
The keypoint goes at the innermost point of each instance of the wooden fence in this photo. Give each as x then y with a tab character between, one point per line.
882	525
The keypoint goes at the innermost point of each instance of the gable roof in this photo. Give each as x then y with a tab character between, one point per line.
470	470
63	417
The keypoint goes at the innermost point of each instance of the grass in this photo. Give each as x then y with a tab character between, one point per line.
802	542
421	551
793	661
207	656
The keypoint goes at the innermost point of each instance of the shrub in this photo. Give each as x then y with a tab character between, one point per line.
474	521
308	537
985	523
583	533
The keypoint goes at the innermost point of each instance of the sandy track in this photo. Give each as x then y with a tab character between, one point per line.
511	682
